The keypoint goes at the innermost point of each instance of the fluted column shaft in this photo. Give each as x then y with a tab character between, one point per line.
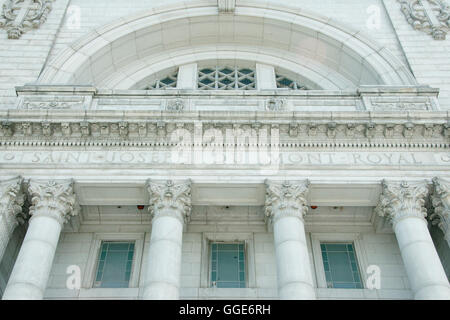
170	206
441	204
403	204
285	209
11	202
53	202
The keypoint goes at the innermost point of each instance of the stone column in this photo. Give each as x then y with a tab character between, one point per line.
403	204
285	209
11	202
441	203
52	204
170	207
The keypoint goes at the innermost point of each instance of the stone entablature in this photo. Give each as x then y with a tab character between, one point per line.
167	129
365	98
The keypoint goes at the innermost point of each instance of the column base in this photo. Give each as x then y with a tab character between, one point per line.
22	291
297	291
161	291
433	292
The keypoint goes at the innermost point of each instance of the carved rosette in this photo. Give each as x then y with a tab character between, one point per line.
170	198
53	198
399	200
441	203
11	202
286	198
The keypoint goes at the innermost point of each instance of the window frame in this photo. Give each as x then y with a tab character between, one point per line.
355	239
246	239
245	260
99	238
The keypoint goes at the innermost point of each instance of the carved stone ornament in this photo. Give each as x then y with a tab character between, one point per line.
11	202
441	203
170	198
400	200
429	16
274	104
54	198
18	15
286	198
175	105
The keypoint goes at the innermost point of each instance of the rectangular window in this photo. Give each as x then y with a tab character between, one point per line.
340	265
227	265
114	264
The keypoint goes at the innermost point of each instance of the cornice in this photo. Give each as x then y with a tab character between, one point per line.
293	129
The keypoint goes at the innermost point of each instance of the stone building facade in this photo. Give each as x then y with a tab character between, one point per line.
211	149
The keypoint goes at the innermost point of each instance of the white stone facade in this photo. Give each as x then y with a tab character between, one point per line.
178	124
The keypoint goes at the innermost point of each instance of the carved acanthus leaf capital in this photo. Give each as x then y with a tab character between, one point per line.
441	202
54	198
11	201
404	199
170	198
286	198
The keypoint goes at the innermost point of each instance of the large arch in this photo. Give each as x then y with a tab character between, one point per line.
327	53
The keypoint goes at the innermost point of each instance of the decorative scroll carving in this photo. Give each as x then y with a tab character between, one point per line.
400	106
441	203
287	198
53	198
399	200
429	16
170	198
52	104
18	15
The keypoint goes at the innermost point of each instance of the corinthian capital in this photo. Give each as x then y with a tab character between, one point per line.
400	200
286	198
171	198
54	198
11	201
441	203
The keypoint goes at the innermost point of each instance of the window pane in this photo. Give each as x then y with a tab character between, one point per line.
114	266
227	265
340	266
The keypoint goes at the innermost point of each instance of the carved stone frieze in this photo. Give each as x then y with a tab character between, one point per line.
52	104
161	131
19	15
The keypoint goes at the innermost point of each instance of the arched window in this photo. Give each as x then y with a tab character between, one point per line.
169	81
224	75
226	78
